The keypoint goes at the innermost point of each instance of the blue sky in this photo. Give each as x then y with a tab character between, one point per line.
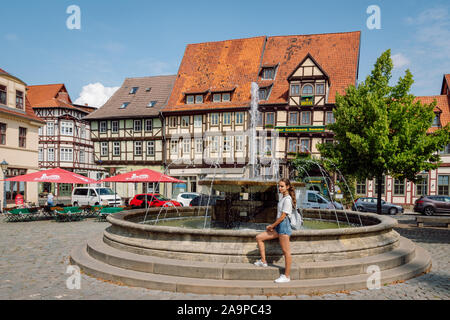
134	38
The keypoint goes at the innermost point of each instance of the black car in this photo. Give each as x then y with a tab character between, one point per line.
204	200
430	205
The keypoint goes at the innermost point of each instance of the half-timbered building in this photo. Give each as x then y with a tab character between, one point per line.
65	140
208	117
127	130
433	182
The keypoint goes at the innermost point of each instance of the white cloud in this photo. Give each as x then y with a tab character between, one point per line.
400	60
95	94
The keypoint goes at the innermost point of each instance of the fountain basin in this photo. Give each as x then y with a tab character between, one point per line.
239	246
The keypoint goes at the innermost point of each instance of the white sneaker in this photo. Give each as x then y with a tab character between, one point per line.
282	279
259	263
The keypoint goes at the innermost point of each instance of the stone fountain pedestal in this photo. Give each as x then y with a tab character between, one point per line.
208	261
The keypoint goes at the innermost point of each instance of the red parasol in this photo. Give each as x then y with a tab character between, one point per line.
56	175
142	175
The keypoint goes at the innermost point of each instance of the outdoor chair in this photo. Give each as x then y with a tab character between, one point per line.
107	211
68	214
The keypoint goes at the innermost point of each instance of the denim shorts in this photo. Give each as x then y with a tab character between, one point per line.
284	227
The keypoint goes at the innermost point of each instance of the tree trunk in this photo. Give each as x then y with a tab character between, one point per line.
379	180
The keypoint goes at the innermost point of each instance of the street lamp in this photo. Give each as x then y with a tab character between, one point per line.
4	166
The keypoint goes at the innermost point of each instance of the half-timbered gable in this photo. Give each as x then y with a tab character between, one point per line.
65	140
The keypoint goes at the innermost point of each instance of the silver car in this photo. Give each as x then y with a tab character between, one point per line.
369	204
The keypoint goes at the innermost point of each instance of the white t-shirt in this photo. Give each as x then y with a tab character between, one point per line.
285	205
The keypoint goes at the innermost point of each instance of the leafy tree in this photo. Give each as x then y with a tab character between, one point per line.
382	129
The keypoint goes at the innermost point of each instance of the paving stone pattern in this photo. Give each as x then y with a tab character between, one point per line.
34	260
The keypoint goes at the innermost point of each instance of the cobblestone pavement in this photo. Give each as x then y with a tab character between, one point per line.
34	260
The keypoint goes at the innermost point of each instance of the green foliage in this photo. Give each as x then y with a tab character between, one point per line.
382	130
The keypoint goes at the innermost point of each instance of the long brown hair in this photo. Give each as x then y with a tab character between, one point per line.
291	190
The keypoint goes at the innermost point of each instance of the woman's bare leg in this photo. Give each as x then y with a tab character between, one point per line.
285	246
260	238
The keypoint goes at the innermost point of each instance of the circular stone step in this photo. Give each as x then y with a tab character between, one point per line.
80	256
99	250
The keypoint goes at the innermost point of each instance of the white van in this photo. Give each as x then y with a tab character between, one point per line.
83	196
312	200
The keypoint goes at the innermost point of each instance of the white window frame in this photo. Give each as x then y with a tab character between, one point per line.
150	148
104	149
227	141
239	143
116	147
239	118
304	113
50	128
302	146
66	154
185	121
115	129
295	141
137	146
148	125
214	119
82	156
227	118
51	151
198	98
198	145
186	146
139	129
173	147
173	121
190	99
66	128
103	127
41	154
198	121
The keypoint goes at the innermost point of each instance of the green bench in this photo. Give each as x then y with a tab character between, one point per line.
107	211
69	214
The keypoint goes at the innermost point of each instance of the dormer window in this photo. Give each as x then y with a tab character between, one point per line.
436	121
221	97
19	99
189	99
124	105
199	98
134	90
263	93
268	73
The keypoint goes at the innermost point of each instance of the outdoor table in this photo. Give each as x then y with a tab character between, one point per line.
108	210
20	214
69	214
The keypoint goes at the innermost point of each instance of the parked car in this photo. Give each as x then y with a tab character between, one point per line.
369	204
313	200
85	196
186	197
204	200
153	200
430	205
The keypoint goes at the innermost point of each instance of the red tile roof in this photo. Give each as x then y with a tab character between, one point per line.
237	63
216	66
443	105
336	53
